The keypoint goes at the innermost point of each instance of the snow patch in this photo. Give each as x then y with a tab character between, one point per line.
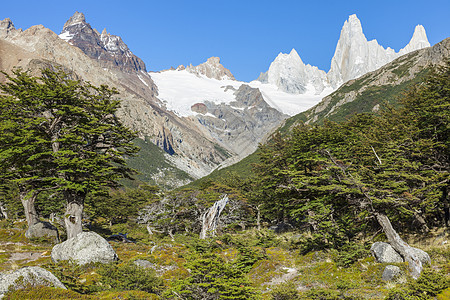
180	89
66	36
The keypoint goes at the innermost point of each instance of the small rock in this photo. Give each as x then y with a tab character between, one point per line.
34	276
144	264
84	248
390	273
384	253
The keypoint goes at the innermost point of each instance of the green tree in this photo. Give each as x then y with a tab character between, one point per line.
212	278
335	177
74	143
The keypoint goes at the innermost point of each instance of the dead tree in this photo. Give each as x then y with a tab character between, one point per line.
210	218
405	250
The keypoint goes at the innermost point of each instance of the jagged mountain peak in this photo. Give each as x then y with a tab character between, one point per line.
419	40
212	68
353	25
107	48
6	24
77	18
355	56
292	76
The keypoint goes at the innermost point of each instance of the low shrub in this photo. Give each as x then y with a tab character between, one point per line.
285	291
428	285
130	277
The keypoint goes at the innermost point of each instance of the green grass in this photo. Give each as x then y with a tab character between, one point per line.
243	169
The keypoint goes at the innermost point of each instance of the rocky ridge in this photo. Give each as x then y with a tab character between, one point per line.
212	68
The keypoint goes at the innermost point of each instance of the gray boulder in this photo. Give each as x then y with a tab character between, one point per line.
390	273
34	276
384	253
423	256
42	229
84	248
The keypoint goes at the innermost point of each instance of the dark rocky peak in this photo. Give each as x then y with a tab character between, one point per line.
108	49
6	24
7	27
77	18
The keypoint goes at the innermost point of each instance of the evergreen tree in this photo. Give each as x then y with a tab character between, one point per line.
72	141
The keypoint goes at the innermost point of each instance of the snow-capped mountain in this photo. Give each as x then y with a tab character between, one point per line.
180	89
354	56
291	75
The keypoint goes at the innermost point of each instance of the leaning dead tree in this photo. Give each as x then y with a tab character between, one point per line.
406	251
210	218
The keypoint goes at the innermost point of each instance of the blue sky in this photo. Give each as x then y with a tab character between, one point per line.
246	35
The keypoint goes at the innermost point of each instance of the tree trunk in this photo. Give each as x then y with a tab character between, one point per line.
258	217
3	210
28	199
405	250
74	213
210	218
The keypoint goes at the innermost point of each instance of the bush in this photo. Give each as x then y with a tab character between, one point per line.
44	292
428	285
128	277
70	274
212	278
350	253
285	291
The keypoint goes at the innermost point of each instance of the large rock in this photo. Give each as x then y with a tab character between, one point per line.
390	273
423	256
384	253
32	276
42	229
86	247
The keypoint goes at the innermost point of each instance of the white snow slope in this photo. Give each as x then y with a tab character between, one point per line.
179	90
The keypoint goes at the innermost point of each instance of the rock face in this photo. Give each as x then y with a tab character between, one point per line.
384	253
42	229
84	248
211	69
109	49
390	273
34	276
291	75
355	56
242	124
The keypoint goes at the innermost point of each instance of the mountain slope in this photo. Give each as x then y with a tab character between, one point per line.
368	92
